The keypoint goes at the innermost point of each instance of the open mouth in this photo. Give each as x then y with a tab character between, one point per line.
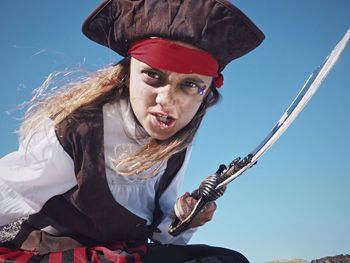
164	118
164	121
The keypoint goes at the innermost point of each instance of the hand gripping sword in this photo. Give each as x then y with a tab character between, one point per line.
214	186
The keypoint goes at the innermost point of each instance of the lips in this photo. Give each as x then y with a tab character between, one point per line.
163	121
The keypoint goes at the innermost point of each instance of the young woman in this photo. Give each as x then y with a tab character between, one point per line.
98	175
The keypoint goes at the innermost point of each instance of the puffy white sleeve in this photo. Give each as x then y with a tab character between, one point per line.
167	202
39	170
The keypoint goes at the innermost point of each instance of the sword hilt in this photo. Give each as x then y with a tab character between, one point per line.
205	193
208	192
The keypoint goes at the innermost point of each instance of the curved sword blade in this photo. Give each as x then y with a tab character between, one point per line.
307	91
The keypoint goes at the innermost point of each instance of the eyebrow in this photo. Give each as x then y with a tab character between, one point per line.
194	79
166	73
147	67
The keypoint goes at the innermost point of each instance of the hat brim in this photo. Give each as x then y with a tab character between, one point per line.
215	26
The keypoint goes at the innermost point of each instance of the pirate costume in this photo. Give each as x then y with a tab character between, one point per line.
79	208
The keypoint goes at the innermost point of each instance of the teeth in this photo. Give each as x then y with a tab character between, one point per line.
163	118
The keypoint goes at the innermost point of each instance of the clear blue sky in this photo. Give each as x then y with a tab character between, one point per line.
295	203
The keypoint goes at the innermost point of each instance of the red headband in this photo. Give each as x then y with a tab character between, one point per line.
163	54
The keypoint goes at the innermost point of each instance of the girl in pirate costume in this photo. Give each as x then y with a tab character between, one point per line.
100	165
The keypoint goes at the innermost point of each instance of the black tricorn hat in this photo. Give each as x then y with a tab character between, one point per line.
215	26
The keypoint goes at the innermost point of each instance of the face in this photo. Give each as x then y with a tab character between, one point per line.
164	101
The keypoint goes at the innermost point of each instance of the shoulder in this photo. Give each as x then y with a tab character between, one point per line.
80	127
81	121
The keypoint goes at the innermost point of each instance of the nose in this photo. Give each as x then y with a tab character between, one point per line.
165	96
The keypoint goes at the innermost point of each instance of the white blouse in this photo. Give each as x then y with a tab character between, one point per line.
41	169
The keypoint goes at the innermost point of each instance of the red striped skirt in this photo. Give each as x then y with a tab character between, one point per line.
119	253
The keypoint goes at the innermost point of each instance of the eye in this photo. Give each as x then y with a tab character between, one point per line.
152	77
191	84
193	88
152	74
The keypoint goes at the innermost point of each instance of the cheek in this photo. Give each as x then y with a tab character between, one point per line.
135	87
140	97
189	111
136	95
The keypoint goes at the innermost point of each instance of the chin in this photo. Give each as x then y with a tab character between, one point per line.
160	136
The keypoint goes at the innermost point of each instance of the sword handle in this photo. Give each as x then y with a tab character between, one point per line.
205	193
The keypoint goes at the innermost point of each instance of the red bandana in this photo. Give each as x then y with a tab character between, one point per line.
163	54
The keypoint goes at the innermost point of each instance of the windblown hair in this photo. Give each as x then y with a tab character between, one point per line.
108	85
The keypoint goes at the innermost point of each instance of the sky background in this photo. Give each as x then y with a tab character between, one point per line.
295	203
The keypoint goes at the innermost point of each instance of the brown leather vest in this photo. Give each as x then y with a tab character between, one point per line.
88	214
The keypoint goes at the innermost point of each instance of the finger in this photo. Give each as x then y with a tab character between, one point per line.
187	194
179	208
191	202
205	215
209	207
183	206
207	212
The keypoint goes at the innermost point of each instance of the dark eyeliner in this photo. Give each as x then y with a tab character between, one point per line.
152	80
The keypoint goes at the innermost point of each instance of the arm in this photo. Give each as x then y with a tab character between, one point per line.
39	170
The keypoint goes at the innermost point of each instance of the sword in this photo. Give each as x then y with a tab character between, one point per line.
214	186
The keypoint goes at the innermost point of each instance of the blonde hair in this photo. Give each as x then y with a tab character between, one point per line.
107	85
